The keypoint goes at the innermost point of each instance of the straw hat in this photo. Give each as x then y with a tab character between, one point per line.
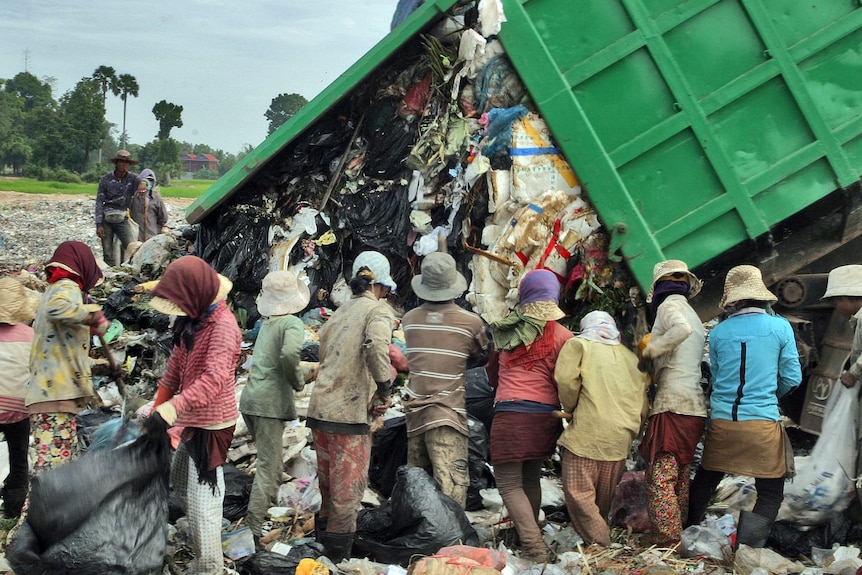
439	280
674	269
745	282
282	294
168	307
844	281
17	303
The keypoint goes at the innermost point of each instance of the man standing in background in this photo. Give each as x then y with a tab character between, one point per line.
115	192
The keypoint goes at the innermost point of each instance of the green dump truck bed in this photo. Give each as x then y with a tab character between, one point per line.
694	126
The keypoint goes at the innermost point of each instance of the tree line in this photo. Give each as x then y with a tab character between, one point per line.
67	139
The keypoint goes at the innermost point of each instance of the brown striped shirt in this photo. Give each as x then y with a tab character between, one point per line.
441	338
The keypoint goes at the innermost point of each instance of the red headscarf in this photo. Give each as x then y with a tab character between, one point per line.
191	284
79	258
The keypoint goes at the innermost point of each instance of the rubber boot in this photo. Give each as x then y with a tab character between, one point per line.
753	529
13	501
337	545
320	523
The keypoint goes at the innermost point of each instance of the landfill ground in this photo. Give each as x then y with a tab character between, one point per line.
32	225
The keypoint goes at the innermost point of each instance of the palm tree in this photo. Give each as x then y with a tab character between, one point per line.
127	86
107	79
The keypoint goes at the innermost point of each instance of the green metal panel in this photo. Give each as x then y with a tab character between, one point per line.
426	14
695	125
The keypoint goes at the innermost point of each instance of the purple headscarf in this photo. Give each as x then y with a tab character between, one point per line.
539	285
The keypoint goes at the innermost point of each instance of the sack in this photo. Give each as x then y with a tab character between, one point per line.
824	484
114	216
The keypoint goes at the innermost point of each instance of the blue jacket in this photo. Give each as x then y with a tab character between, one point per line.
754	361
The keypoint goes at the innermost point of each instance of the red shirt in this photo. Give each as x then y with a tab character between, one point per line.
203	379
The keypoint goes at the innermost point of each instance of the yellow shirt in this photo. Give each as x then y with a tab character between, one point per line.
601	386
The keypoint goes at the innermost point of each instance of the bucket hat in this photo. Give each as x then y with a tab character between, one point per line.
379	266
844	281
123	155
539	296
745	282
282	294
17	303
674	269
439	280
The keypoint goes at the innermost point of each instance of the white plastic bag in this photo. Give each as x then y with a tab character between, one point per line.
824	485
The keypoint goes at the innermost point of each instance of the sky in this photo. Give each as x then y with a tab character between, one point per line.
223	61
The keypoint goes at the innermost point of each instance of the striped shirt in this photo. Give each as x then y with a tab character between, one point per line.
15	342
203	379
441	338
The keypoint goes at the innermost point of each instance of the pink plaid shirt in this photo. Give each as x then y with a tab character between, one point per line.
203	379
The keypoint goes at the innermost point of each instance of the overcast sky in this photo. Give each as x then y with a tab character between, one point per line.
222	60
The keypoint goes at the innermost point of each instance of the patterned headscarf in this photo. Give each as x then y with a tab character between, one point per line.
600	326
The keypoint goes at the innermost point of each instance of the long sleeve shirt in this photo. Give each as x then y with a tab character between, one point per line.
754	362
601	386
115	193
677	350
15	343
354	355
203	379
275	373
59	356
149	211
856	350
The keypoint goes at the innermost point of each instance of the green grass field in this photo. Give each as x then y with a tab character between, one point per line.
177	189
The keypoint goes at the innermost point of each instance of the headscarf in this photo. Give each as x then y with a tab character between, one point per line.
78	259
191	284
600	326
665	288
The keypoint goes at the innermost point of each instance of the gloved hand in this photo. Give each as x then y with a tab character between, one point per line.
379	405
168	412
155	424
98	323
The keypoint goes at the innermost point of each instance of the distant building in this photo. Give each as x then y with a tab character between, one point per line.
195	162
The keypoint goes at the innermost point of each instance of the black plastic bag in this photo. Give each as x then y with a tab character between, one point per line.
788	540
424	520
480	396
379	219
237	488
105	513
388	453
89	420
481	476
269	563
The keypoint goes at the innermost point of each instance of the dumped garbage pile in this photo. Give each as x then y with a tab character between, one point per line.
440	146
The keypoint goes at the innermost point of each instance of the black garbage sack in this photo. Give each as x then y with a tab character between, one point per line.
791	541
421	519
481	476
379	218
103	514
237	488
388	453
89	420
269	563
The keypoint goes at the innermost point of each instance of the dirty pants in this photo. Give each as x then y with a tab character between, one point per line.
267	433
342	470
667	484
589	487
204	507
519	485
442	452
18	441
123	232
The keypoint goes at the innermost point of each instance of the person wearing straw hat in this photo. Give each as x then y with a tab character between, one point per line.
754	362
524	429
442	338
197	393
60	377
678	413
601	387
351	388
112	205
17	308
276	373
844	292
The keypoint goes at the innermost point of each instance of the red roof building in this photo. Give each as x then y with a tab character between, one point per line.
194	162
